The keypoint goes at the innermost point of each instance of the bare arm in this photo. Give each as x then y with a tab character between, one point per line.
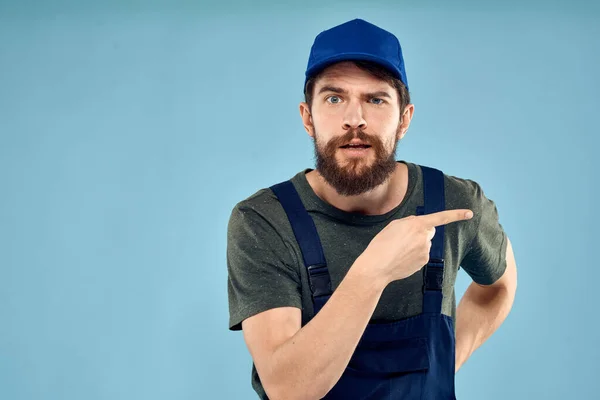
483	308
296	362
306	363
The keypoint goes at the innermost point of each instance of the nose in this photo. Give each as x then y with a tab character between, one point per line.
353	117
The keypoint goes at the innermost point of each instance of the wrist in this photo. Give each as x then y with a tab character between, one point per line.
364	268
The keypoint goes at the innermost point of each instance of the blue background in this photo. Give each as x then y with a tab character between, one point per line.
129	130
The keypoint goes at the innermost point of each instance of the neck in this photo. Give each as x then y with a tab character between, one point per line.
380	200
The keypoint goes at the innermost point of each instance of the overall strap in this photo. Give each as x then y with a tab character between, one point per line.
433	278
308	239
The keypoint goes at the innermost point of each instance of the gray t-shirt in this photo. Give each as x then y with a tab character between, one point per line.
265	262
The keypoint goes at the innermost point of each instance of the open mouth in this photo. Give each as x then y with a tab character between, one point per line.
355	146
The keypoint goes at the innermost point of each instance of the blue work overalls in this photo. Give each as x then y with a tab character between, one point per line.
410	359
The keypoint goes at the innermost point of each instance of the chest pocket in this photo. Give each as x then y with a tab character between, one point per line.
395	369
391	358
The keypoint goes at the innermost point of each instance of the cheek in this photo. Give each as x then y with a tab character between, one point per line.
324	119
320	139
379	116
325	127
386	119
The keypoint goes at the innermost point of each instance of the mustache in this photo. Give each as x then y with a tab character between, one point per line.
354	134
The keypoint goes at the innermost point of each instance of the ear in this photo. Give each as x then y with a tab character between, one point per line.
307	119
405	121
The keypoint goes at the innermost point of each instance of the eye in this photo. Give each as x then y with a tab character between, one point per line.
377	101
333	99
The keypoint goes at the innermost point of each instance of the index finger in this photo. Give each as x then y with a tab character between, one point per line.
446	217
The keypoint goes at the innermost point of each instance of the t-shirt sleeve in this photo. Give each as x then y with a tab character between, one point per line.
485	257
261	268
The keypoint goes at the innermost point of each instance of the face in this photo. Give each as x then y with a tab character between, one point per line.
355	123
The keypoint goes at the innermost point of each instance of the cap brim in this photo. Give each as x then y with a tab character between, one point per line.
321	65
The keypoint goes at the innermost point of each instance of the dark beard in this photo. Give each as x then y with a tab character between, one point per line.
355	177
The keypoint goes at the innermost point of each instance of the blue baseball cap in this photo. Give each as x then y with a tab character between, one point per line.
356	40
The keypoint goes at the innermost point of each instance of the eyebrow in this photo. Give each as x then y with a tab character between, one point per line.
338	90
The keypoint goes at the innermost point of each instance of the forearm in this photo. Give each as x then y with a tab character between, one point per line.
479	314
309	364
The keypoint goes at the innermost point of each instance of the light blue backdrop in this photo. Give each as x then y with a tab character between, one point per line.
128	131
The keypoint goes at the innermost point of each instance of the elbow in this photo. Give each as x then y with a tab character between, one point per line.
277	388
281	390
274	392
274	386
291	379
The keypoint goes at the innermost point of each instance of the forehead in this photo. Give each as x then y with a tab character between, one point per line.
348	76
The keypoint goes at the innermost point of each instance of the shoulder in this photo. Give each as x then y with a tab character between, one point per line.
261	202
464	193
460	192
260	213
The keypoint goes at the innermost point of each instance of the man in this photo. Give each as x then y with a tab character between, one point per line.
342	278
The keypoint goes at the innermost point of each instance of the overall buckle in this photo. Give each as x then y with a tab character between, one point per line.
320	282
433	275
